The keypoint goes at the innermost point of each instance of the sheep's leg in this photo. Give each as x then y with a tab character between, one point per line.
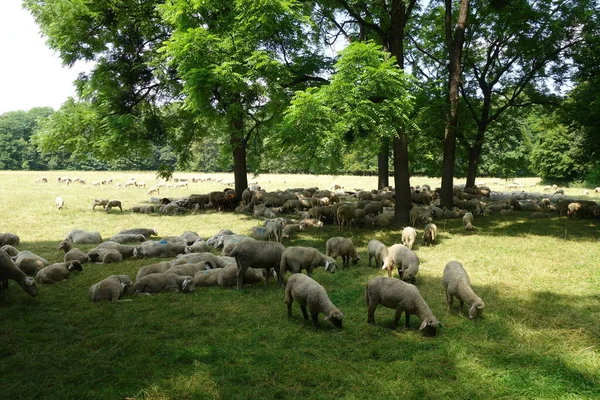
240	276
315	318
289	307
304	312
397	318
389	270
370	256
449	300
407	324
371	314
460	306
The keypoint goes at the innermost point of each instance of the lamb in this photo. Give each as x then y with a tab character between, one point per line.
404	298
407	261
57	272
378	250
8	270
309	293
457	284
79	236
99	202
297	258
104	256
340	246
409	235
127	238
228	277
254	254
111	288
113	203
59	202
30	263
188	269
274	229
159	249
72	254
429	234
208	277
9	238
468	221
164	282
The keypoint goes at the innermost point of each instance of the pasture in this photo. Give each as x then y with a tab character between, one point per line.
538	337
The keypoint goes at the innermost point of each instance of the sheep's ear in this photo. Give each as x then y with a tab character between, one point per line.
29	281
423	325
384	266
327	317
184	284
327	265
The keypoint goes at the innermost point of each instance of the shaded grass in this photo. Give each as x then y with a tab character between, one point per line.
538	337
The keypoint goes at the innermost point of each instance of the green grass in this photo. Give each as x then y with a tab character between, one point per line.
538	337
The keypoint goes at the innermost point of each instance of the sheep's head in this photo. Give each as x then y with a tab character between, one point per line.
476	309
139	252
93	255
335	316
74	265
355	258
429	326
65	245
330	265
187	284
30	286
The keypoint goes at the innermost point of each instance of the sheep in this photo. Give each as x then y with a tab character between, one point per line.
457	284
10	250
289	229
312	295
190	237
257	232
377	250
126	251
253	254
8	270
111	288
274	229
127	238
340	246
154	190
468	221
164	282
9	238
407	261
147	232
404	298
297	258
162	266
158	249
228	276
429	234
375	207
59	203
57	272
104	256
30	263
207	277
214	261
409	235
345	215
99	202
113	203
79	236
72	254
199	246
188	269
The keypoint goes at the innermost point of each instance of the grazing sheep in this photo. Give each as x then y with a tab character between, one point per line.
188	269
228	277
104	256
402	297
57	272
378	250
254	254
79	236
409	235
147	232
111	288
99	202
72	254
468	221
340	246
10	250
457	284
59	202
297	258
154	190
159	249
8	270
30	263
162	266
309	293
345	215
406	260
429	234
208	277
9	238
127	238
164	282
113	203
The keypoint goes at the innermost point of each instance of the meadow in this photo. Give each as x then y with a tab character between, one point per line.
538	336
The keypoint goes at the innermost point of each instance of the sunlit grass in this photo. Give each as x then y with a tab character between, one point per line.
538	337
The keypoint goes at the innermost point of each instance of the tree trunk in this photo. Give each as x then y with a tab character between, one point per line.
455	45
238	143
474	154
401	179
383	166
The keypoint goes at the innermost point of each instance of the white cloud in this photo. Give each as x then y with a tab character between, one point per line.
31	75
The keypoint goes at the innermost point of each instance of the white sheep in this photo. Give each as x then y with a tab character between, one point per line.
99	202
104	256
147	232
59	202
162	266
8	270
377	250
228	277
128	238
274	229
158	249
208	277
429	234
164	282
406	260
341	246
297	258
30	263
126	251
71	253
57	272
111	288
255	254
188	269
402	297
468	221
409	235
79	236
457	284
312	295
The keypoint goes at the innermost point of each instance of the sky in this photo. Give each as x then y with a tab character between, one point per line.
31	75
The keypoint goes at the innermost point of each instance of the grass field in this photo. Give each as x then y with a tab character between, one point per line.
538	337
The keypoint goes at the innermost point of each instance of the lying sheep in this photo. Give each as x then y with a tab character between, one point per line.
254	254
378	250
228	277
59	202
199	246
211	259
147	232
104	256
126	251
309	293
468	221
164	282
457	284
404	298
111	288
8	270
111	204
208	277
429	234
188	269
71	253
340	246
79	236
289	229
99	202
10	250
191	237
409	235
30	263
128	238
406	260
159	249
297	258
258	233
162	266
9	238
57	272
